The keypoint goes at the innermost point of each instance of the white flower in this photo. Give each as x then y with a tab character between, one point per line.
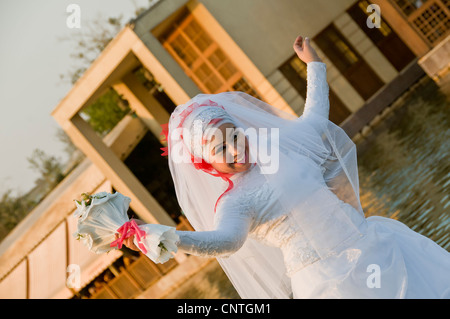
83	207
99	216
160	241
167	245
85	239
82	210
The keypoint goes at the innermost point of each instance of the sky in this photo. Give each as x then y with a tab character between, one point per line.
32	57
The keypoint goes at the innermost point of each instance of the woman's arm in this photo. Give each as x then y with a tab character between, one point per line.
221	242
232	228
317	101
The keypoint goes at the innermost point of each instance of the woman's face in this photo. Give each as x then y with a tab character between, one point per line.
229	150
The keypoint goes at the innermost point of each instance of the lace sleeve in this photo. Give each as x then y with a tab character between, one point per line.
317	101
232	228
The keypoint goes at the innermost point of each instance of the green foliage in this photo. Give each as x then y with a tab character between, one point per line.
87	198
106	112
12	210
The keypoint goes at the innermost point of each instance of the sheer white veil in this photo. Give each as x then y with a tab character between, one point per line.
257	270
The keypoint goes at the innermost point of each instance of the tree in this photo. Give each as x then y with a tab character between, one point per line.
89	42
12	210
106	112
93	38
103	115
49	167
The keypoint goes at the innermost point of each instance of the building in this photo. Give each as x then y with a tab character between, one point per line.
171	52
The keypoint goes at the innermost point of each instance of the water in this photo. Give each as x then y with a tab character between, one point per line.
404	165
404	173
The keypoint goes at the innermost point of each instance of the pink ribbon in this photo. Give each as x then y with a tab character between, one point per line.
127	230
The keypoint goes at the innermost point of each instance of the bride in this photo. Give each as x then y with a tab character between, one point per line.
275	199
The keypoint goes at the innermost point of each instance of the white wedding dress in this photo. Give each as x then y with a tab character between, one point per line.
382	258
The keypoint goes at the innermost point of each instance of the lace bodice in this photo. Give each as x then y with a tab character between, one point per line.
251	208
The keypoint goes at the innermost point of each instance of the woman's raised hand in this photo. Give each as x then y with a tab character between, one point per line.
305	51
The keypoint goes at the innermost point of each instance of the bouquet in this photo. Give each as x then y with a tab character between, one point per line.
103	216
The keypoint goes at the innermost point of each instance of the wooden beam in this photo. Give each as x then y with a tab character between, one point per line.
121	177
